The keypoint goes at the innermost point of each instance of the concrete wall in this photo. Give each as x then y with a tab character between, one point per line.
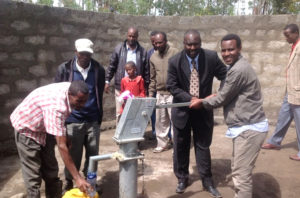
34	40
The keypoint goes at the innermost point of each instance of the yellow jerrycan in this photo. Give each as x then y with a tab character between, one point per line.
76	193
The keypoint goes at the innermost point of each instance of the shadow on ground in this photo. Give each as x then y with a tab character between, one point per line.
149	143
221	169
293	145
184	195
109	184
265	185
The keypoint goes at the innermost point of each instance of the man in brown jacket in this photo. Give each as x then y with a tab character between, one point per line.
158	77
290	108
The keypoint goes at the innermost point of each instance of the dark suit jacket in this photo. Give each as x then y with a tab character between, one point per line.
65	73
178	83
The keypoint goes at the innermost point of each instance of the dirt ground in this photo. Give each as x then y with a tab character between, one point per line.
275	175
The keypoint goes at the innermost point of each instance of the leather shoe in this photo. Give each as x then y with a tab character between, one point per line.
213	191
181	186
295	157
270	146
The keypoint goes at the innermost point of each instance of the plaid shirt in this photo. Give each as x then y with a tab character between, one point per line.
43	111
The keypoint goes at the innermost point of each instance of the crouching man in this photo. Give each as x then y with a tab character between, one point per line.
37	120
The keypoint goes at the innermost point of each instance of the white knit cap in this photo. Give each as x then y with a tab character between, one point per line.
84	45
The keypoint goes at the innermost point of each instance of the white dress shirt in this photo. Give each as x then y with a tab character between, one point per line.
84	72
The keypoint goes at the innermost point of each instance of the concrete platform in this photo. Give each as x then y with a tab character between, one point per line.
275	175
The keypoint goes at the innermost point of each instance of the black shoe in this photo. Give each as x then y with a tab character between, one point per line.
181	186
213	191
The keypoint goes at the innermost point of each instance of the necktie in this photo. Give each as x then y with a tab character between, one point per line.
194	81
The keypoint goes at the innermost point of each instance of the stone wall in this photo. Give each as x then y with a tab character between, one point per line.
34	40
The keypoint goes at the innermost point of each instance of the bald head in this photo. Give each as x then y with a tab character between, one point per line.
192	43
132	37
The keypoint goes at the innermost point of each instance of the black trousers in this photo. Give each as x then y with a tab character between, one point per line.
202	136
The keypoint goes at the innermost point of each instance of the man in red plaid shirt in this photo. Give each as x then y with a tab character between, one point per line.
37	120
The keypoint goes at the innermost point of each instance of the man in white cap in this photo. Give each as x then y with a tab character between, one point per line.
83	126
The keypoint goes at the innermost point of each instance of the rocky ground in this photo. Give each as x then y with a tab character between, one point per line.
275	175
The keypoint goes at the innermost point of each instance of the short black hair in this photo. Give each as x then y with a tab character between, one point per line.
78	86
134	29
293	27
233	37
131	63
153	33
163	34
192	31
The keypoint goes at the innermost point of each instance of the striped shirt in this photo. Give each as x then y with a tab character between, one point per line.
43	111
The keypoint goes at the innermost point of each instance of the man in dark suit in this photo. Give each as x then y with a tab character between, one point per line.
207	65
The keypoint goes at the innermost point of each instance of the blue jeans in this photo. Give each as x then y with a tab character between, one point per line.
288	112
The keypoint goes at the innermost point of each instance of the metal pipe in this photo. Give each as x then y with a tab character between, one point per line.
94	159
128	140
183	104
128	179
128	172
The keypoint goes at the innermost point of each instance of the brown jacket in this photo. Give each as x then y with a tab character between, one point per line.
159	69
293	76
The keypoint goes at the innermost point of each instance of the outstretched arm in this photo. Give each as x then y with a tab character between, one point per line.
196	103
230	89
81	183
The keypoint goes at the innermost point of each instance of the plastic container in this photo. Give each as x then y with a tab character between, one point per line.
92	179
76	193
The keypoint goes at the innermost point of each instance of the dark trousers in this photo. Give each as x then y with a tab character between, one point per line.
153	119
202	136
38	162
82	135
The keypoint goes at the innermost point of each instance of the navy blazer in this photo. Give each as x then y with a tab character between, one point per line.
65	73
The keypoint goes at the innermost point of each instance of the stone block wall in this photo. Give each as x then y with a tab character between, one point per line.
35	39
